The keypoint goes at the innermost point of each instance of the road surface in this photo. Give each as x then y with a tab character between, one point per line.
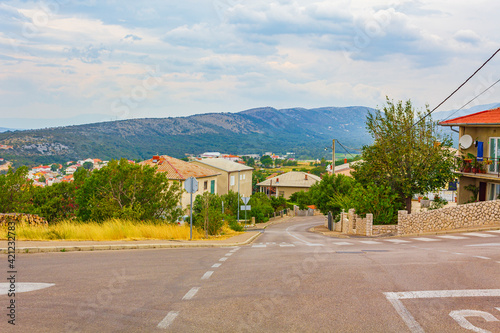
288	280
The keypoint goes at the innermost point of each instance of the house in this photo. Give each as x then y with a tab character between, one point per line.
233	176
286	184
178	171
343	169
479	154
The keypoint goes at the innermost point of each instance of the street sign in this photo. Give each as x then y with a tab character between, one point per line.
191	185
246	207
245	200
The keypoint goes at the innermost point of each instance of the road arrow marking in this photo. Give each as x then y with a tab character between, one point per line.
23	287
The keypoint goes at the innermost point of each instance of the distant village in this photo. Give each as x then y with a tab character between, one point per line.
46	175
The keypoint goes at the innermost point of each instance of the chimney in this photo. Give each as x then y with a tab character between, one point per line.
156	158
306	176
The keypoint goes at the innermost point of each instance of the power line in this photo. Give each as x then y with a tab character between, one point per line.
453	93
471	100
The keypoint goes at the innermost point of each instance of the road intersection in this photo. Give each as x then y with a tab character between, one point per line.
288	280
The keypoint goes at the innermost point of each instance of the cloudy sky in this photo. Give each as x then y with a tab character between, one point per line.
160	58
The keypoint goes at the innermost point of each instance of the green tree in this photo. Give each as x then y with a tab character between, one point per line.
88	165
15	191
207	212
278	203
302	199
54	167
251	162
257	177
125	190
266	161
261	207
56	202
407	157
230	200
325	190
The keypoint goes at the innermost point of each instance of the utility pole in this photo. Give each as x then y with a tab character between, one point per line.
238	196
333	156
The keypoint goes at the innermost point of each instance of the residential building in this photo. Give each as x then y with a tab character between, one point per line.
286	184
479	154
178	171
232	175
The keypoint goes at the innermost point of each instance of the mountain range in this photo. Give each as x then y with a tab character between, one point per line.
305	132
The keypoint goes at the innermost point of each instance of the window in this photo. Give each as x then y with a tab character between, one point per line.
493	191
232	180
212	186
205	185
494	154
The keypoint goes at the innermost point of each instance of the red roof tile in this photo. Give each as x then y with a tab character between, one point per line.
487	117
178	169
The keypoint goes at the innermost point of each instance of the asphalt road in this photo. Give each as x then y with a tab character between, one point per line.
289	280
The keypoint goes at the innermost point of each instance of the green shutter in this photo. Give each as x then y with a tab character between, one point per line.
212	186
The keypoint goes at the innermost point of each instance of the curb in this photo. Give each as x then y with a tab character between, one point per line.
104	247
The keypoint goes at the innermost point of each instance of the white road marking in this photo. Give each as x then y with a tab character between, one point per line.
477	234
397	241
300	239
23	287
460	254
271	243
223	259
259	245
228	254
216	265
395	299
460	315
342	243
234	250
497	231
287	245
452	237
190	294
487	244
370	242
424	239
168	320
481	257
207	275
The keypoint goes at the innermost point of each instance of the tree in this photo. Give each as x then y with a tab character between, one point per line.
15	191
54	167
88	165
251	162
323	192
302	199
261	207
207	211
125	190
266	161
406	156
56	202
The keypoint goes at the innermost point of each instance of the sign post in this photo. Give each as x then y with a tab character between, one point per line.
245	201
191	186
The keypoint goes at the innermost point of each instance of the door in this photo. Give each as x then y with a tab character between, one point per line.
482	191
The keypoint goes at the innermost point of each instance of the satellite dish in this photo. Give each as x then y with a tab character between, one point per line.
465	141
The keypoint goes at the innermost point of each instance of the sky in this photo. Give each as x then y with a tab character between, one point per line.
124	59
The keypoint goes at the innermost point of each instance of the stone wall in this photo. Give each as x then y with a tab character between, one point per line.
29	219
384	229
352	224
476	214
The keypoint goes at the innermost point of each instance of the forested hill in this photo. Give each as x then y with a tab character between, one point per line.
303	131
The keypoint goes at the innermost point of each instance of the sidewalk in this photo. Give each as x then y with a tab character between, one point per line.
65	246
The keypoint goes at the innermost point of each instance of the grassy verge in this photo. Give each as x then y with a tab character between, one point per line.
110	230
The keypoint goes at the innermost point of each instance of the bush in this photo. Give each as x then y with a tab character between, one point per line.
438	203
261	207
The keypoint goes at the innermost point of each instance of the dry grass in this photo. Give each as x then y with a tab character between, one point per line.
110	230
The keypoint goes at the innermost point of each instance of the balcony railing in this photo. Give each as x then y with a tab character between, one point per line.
485	165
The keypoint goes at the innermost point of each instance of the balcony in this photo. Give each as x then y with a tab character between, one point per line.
486	168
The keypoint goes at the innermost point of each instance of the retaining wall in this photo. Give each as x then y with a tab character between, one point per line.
29	219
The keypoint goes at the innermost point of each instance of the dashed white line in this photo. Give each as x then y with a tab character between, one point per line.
424	239
259	245
460	254
207	275
481	257
370	242
452	237
497	231
287	245
477	234
168	320
397	241
190	294
342	243
487	244
234	250
228	254
216	265
223	259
